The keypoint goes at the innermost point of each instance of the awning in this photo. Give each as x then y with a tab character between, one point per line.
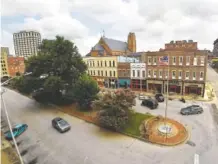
123	81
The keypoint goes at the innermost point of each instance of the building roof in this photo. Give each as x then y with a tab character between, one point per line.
115	44
98	47
135	54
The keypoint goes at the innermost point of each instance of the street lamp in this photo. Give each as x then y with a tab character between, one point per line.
6	113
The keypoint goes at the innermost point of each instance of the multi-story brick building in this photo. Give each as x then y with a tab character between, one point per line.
123	68
138	76
15	65
187	69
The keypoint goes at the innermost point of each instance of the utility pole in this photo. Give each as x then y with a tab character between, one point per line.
167	96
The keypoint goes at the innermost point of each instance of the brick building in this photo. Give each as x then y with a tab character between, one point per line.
15	65
187	69
124	70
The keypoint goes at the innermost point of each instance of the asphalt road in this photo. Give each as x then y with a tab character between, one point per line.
88	144
212	77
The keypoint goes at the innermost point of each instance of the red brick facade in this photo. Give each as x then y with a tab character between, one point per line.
15	65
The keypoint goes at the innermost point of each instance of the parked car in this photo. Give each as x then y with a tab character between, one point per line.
159	97
193	109
141	96
16	131
150	103
60	124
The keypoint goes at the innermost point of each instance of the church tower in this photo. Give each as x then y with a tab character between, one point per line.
131	42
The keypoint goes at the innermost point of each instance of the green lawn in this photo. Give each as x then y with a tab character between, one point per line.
135	121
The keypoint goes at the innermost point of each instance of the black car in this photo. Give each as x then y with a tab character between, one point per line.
150	103
159	97
193	109
60	124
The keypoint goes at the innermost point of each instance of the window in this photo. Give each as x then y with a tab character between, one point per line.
149	60
98	63
105	73
109	63
101	64
93	63
133	73
195	61
202	59
149	73
187	75
180	60
180	74
174	60
187	60
160	73
173	74
194	75
143	73
201	75
101	73
113	63
110	73
98	73
94	73
105	63
114	74
155	73
155	60
138	73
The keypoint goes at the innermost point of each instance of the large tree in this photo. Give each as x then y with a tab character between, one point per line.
85	91
58	57
114	108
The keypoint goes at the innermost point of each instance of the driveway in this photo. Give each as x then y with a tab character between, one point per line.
88	144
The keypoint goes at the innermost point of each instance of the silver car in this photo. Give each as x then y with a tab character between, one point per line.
60	124
193	109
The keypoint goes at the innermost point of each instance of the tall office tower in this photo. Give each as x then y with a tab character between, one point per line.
26	43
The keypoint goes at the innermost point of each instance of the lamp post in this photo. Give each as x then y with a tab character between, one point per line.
6	113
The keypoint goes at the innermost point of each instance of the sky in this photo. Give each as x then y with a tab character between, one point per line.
155	22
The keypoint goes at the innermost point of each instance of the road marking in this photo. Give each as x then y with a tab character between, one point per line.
196	159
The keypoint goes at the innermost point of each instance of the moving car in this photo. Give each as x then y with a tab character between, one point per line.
16	131
141	96
60	124
193	109
150	103
159	97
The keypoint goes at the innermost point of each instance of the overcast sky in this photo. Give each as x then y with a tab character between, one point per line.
155	22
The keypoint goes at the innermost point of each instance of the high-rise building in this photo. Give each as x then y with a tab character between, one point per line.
26	43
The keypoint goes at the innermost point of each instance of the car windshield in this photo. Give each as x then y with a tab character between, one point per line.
62	123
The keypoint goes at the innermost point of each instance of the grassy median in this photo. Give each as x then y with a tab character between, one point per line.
135	120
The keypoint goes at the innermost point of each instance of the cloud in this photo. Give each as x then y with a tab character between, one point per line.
154	22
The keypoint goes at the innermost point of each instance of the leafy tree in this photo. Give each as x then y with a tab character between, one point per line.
114	108
58	57
85	91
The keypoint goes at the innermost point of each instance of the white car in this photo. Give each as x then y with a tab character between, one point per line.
141	96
